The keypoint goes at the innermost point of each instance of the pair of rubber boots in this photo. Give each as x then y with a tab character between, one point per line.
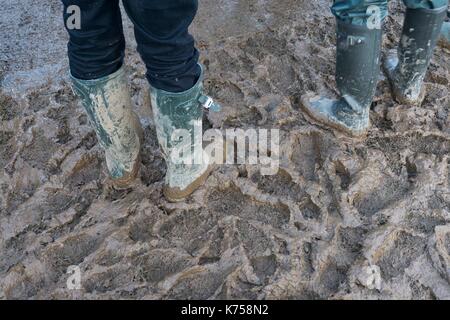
358	67
178	120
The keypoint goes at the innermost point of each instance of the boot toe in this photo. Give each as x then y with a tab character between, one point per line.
325	112
177	194
410	97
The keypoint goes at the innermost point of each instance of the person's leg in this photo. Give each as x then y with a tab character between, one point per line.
164	42
96	53
96	49
175	78
406	66
359	38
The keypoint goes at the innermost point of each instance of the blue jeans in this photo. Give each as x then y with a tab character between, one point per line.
97	49
356	11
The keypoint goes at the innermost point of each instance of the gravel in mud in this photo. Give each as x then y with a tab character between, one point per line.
337	211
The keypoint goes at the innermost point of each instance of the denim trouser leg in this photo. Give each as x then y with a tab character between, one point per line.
97	49
164	43
358	11
161	28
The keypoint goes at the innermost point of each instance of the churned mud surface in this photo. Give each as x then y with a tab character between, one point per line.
338	209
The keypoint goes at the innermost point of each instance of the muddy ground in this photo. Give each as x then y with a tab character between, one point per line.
337	209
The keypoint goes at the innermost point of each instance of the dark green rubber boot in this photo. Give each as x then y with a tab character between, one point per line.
357	71
178	121
406	66
107	103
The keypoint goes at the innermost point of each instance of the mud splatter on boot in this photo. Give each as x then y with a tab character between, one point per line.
406	66
108	105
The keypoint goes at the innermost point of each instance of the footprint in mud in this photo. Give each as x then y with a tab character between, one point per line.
7	147
63	135
283	75
159	264
217	244
310	210
107	280
87	169
415	141
59	114
308	151
9	108
71	251
39	100
264	267
397	253
40	151
234	65
199	283
232	202
188	229
332	279
262	44
426	221
228	93
259	249
141	225
349	245
343	174
280	185
390	191
66	98
447	243
65	105
248	117
254	240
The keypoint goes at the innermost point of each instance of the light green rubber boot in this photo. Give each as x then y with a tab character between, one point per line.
357	70
107	103
178	120
406	66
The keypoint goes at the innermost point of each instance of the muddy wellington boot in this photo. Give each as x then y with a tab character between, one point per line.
107	103
406	66
357	71
178	121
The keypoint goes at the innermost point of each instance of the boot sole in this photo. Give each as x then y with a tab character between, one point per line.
177	195
323	121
